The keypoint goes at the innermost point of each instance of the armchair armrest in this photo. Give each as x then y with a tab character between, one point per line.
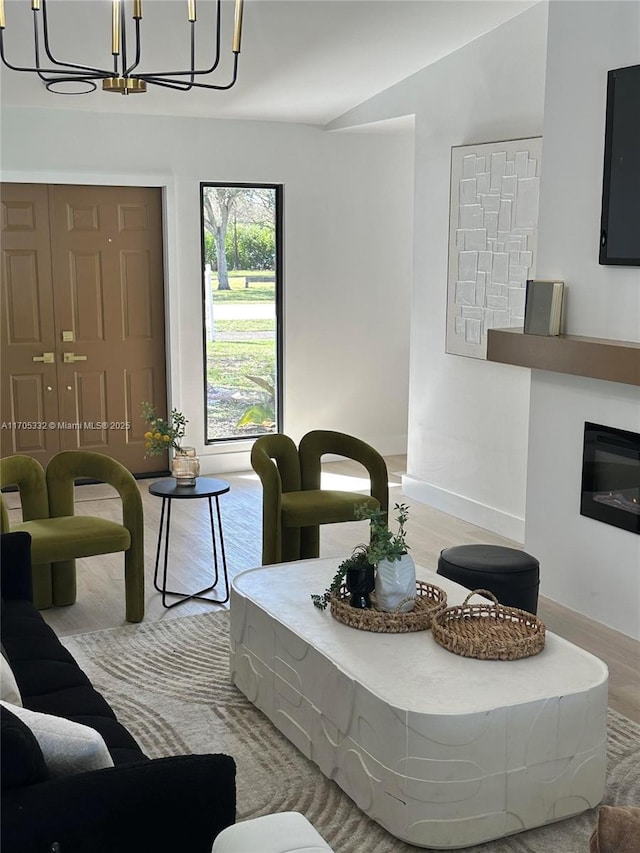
66	466
274	458
318	442
164	805
28	475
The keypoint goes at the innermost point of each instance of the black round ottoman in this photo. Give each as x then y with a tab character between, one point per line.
512	576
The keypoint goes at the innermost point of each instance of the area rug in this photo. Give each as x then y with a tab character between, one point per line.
169	683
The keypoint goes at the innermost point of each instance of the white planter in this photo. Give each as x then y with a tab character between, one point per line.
395	581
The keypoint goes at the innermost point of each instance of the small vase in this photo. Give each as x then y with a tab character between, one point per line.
185	466
360	583
396	581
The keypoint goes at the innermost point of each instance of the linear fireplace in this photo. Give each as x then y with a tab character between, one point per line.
611	476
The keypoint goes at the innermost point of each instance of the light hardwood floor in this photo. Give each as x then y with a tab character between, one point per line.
100	602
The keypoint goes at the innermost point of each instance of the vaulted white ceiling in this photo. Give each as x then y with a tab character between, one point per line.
303	61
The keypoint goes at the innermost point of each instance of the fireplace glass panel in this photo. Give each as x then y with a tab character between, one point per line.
611	476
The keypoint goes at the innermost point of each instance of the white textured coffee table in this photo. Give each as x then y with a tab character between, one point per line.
441	750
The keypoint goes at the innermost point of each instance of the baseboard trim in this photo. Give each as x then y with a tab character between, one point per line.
487	517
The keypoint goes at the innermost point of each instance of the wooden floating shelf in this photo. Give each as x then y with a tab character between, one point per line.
596	358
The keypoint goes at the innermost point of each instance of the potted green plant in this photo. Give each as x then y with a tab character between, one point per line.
395	577
163	434
385	545
357	573
383	564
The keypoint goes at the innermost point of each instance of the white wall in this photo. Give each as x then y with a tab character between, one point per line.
589	566
467	417
347	261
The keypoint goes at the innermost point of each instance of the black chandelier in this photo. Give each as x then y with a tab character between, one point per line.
71	78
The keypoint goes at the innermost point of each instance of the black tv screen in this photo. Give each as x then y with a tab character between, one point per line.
620	223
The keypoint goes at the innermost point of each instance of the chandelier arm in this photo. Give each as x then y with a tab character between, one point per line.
196	71
193	50
40	71
36	40
192	72
216	60
6	62
71	76
127	71
179	85
47	47
184	86
123	37
56	77
4	59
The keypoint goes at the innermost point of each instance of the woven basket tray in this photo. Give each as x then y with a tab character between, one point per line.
429	600
488	631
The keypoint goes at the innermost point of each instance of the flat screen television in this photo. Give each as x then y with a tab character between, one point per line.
620	222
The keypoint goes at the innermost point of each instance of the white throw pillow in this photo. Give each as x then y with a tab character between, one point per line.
67	747
8	686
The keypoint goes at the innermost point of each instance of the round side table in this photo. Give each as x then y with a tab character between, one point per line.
205	487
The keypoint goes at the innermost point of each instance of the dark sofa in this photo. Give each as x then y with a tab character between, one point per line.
164	805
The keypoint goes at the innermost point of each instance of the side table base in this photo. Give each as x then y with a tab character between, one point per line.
165	523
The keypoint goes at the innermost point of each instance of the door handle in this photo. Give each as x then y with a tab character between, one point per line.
70	357
46	357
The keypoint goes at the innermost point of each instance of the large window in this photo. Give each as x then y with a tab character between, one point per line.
242	275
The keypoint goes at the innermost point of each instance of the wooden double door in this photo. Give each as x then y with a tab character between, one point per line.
82	341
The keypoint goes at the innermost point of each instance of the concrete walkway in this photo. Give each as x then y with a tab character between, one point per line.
244	311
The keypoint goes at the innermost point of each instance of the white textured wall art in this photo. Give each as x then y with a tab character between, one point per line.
492	239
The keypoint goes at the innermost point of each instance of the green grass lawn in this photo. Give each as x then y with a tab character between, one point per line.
230	362
245	326
258	292
229	390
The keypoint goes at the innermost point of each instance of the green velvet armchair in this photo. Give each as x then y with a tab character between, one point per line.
59	537
293	503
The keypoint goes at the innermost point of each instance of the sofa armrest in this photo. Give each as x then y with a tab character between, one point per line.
15	566
164	805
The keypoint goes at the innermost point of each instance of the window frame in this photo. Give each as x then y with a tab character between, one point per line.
279	302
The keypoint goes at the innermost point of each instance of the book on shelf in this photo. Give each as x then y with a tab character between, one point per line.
543	307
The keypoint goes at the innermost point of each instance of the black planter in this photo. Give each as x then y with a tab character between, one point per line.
360	583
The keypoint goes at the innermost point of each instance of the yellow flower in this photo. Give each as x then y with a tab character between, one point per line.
162	433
